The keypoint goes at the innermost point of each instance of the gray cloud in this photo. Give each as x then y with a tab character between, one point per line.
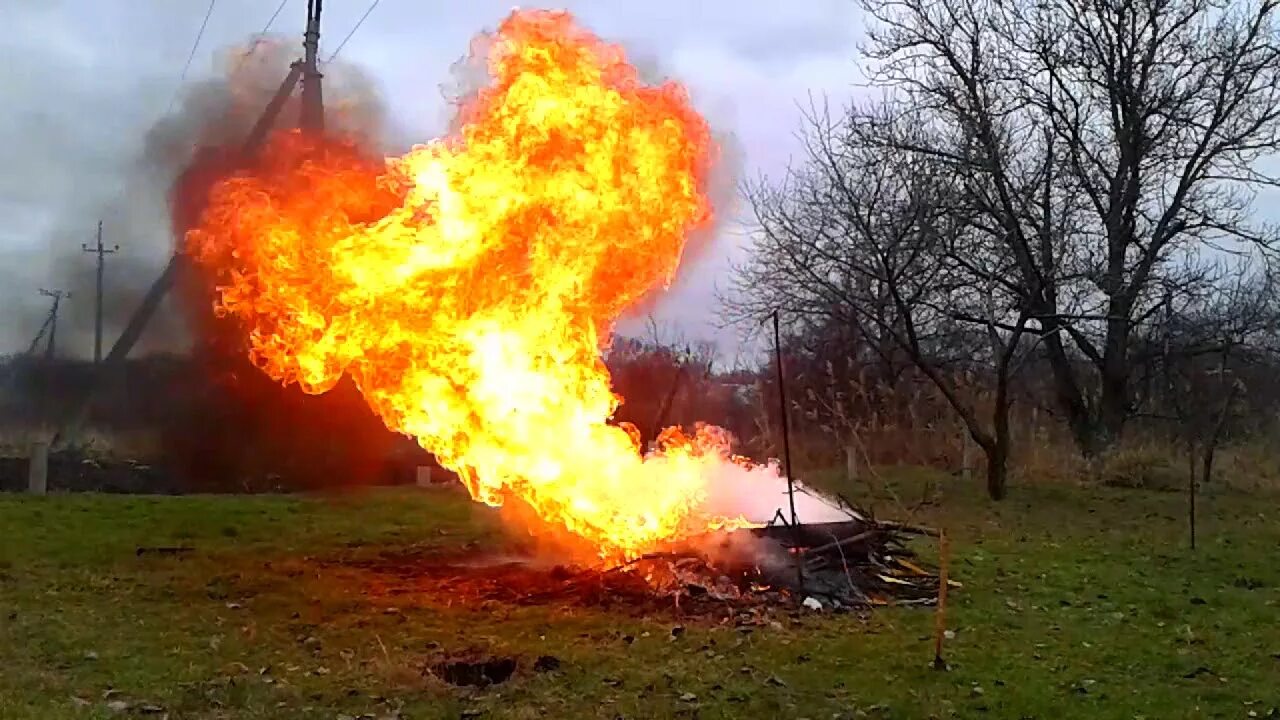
85	81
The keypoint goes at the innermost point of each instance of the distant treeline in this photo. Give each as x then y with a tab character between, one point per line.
213	426
215	422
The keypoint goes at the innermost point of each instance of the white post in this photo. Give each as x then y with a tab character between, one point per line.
38	469
424	476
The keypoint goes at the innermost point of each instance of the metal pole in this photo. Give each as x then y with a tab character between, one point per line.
786	441
97	318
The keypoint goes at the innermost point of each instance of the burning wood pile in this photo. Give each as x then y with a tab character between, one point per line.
467	288
855	563
745	576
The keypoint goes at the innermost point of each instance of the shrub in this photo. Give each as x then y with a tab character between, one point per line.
1147	466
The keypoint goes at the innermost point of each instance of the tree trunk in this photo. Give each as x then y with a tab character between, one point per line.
998	453
997	472
1113	411
1191	491
1113	405
1070	398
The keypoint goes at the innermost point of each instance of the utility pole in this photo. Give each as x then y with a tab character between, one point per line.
52	322
312	96
38	457
97	317
73	416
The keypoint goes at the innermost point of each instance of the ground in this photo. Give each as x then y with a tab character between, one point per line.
1076	603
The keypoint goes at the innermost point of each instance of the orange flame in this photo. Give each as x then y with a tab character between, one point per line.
469	286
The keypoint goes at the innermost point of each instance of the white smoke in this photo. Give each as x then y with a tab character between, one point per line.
759	493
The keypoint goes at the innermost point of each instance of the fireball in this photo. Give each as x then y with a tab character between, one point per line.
469	286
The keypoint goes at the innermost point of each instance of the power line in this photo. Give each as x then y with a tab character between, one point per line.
199	36
191	56
258	41
353	31
274	15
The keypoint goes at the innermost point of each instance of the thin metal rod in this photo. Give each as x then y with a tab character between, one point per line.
786	437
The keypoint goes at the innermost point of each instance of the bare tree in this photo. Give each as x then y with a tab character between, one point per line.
1202	343
1103	146
874	239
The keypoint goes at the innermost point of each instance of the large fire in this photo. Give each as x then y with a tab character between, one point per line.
469	286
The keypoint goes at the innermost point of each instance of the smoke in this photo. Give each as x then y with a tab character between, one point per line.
133	200
759	493
225	424
238	424
722	189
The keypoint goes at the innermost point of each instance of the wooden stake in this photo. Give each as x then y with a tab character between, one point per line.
940	616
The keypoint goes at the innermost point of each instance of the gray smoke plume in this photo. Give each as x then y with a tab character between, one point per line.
133	201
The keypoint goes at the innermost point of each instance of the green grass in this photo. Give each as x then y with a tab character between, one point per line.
1076	603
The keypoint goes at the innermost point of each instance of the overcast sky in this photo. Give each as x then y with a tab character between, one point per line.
82	81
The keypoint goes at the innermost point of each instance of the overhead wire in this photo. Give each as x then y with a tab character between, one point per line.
195	46
265	29
359	22
274	15
191	55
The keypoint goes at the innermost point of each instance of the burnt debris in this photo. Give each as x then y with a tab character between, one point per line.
744	577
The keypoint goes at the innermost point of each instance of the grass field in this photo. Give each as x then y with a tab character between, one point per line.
1076	603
